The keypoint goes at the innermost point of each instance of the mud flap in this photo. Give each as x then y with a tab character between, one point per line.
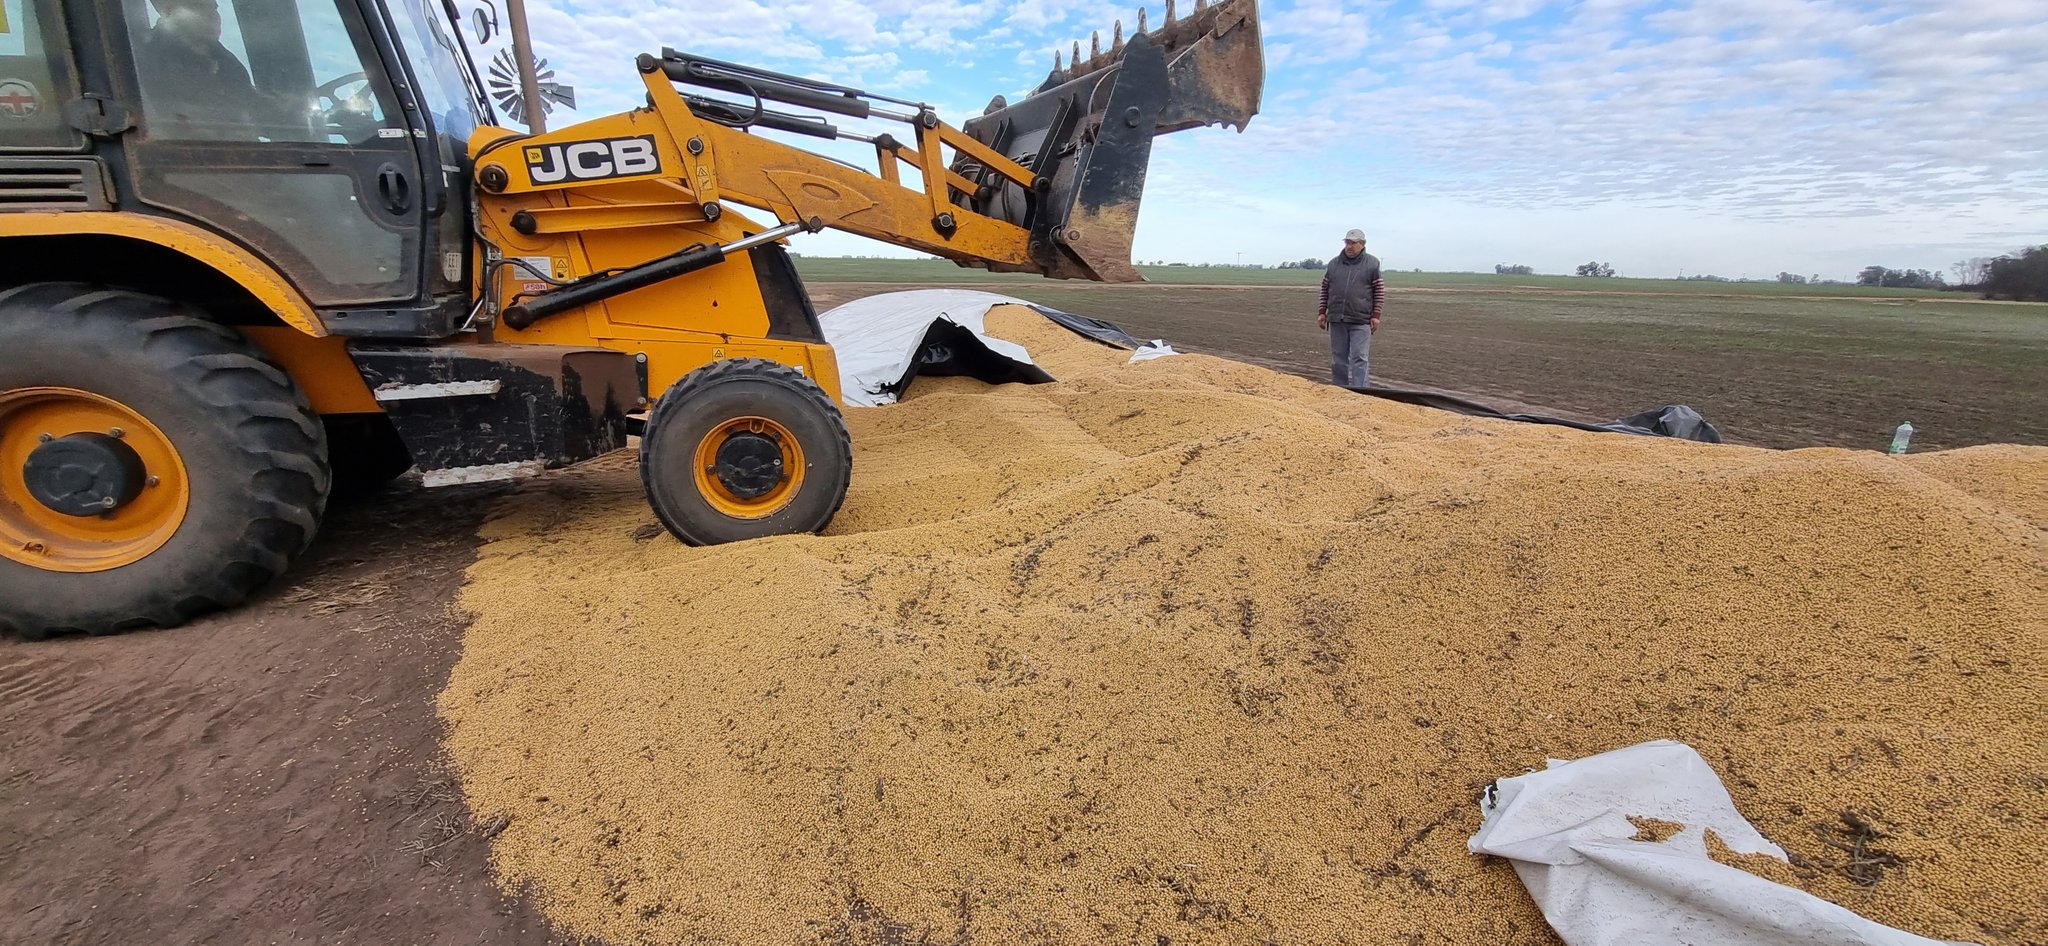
474	413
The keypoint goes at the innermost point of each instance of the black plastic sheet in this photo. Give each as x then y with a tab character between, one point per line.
1672	420
1109	333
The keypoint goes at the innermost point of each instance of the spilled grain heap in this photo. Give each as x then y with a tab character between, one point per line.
1193	652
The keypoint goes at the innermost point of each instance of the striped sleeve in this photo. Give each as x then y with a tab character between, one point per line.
1379	295
1323	301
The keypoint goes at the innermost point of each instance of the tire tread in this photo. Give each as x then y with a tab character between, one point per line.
761	369
279	441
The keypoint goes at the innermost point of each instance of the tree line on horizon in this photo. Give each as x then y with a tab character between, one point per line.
2020	277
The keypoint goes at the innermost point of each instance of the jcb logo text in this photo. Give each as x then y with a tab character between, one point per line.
592	160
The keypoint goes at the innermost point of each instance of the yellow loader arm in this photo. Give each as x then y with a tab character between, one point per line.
1049	185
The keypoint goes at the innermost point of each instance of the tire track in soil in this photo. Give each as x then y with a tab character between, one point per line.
272	774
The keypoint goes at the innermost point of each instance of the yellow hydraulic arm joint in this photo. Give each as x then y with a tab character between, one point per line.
705	163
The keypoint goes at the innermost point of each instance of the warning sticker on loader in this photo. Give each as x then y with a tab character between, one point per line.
533	269
599	160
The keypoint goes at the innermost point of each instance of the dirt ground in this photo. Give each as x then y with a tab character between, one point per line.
266	776
1768	371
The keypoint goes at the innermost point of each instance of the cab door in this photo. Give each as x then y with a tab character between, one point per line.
276	123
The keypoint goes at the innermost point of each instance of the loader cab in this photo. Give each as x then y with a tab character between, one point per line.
324	136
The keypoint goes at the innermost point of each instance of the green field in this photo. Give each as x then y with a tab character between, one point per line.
935	271
1772	365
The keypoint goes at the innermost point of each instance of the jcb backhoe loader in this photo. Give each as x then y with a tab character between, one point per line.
253	252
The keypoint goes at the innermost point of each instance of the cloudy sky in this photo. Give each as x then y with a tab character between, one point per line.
1735	137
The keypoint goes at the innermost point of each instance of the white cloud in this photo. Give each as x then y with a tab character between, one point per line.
1738	107
1320	31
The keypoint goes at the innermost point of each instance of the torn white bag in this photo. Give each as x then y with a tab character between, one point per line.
1156	348
1566	830
883	341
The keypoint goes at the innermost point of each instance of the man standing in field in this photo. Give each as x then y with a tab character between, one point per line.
1353	298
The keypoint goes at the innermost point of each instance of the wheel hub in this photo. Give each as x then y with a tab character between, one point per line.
84	474
87	483
750	464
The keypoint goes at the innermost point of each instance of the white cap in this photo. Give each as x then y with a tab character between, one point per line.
1354	234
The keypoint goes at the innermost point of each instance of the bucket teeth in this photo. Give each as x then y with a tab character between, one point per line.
1086	132
1174	31
1215	66
1212	54
1175	34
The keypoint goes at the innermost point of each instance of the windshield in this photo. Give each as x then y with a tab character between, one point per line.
439	64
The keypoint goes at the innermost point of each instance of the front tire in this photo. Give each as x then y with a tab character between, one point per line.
210	462
744	448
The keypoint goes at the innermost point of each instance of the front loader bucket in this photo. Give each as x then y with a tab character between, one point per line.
1087	132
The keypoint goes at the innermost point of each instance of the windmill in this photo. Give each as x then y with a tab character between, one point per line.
503	80
504	87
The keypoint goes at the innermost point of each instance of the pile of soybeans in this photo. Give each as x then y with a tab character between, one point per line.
1189	651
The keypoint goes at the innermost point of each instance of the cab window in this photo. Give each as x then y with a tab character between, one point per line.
253	71
436	58
35	77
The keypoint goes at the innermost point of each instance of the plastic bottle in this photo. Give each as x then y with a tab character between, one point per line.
1901	438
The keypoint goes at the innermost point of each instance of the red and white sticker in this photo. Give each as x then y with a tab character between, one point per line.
18	99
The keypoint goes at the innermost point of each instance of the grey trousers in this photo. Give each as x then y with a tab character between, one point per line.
1350	354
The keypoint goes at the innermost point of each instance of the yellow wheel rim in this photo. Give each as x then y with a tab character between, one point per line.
34	534
722	495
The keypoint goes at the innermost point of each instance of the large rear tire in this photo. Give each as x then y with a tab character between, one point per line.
744	448
211	466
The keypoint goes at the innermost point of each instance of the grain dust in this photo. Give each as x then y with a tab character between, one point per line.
1190	651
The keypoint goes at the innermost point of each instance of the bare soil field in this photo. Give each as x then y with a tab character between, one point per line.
272	775
1767	369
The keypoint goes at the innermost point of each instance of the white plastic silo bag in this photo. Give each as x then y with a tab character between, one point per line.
1567	831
